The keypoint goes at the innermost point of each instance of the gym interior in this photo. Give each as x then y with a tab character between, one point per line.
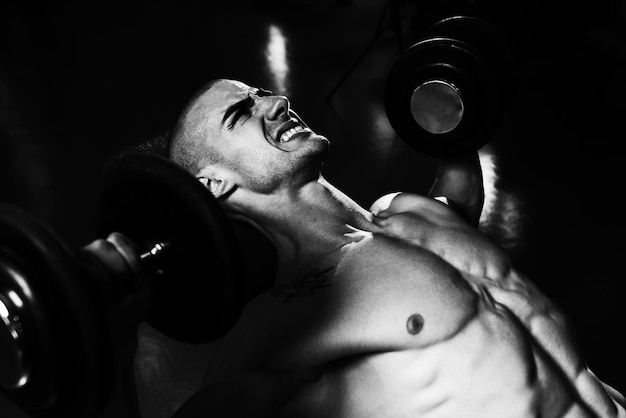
82	81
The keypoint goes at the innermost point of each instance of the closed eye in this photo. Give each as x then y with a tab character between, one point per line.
242	108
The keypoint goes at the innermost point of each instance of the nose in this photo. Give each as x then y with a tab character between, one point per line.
279	106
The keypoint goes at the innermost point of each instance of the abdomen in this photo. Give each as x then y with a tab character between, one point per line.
488	369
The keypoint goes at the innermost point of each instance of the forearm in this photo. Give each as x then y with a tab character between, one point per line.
123	402
122	321
460	180
126	305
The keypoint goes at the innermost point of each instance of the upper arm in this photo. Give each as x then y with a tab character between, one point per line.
602	398
553	331
398	202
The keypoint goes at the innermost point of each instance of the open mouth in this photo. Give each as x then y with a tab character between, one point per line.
289	130
288	135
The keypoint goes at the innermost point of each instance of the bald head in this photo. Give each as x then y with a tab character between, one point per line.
234	134
188	142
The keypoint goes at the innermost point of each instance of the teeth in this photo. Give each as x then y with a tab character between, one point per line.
287	135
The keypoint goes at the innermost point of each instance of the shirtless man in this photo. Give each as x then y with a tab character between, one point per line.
402	310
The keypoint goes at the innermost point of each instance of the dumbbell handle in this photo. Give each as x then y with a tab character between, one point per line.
111	287
155	251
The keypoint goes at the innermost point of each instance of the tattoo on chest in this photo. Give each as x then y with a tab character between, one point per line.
309	284
414	324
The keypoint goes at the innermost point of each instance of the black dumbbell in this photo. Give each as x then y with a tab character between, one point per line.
446	94
54	343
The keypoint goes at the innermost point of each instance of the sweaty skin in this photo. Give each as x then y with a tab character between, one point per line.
403	310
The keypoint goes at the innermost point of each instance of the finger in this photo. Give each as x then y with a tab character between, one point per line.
109	255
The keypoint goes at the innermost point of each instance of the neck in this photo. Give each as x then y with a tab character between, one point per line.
306	224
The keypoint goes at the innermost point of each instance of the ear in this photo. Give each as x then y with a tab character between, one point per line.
218	182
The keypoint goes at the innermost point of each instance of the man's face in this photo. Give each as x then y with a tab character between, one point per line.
261	139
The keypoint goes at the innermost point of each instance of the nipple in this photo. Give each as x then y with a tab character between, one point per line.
414	324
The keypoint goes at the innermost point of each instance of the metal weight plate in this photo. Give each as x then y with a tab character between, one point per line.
487	40
52	327
456	64
197	282
469	57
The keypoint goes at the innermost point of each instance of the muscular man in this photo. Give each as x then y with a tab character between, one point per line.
402	310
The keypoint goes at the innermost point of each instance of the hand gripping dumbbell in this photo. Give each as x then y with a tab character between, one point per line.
55	348
446	94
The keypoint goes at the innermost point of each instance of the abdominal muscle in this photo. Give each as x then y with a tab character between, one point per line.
473	357
488	369
490	366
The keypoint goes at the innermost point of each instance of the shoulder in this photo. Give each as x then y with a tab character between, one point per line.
396	202
400	202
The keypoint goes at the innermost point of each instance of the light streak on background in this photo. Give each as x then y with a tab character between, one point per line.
488	166
276	55
384	134
502	211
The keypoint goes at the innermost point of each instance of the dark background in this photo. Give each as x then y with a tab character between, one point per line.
81	81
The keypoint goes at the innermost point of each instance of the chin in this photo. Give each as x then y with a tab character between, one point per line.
306	163
317	146
322	140
320	146
309	167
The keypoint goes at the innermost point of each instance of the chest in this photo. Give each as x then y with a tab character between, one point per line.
381	295
463	246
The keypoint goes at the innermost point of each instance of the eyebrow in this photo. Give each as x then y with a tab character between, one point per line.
239	107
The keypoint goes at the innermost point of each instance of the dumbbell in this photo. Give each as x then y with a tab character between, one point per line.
446	94
54	342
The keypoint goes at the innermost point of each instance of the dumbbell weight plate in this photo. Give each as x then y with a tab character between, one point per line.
486	40
197	282
57	337
451	63
454	77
